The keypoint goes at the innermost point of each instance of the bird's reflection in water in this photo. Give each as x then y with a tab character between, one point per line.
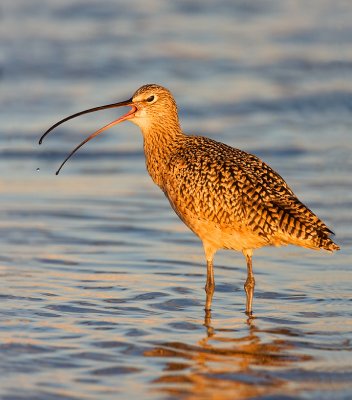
223	365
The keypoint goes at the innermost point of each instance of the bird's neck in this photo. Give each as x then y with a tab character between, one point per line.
160	142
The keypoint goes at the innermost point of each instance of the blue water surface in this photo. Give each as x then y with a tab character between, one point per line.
101	284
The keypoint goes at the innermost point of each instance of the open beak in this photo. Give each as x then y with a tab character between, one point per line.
125	117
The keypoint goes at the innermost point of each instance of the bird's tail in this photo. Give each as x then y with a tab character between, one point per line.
326	243
300	226
313	242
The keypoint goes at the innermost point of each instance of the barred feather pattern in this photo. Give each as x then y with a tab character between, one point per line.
234	190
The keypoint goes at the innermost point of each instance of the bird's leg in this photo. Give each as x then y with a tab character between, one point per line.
210	284
250	282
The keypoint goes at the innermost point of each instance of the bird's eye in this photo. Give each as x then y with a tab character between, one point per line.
150	99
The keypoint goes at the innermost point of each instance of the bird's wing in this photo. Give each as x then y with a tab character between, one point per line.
273	209
229	186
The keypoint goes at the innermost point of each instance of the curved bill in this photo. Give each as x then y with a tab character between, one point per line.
93	135
90	110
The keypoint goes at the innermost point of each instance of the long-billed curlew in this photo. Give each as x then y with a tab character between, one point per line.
229	198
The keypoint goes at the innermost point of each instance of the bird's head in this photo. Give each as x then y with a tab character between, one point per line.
151	106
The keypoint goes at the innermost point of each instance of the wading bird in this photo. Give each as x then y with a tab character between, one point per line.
229	198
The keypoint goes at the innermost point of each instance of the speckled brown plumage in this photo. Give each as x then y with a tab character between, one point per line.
227	187
229	198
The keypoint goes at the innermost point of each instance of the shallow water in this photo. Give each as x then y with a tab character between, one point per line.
101	284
